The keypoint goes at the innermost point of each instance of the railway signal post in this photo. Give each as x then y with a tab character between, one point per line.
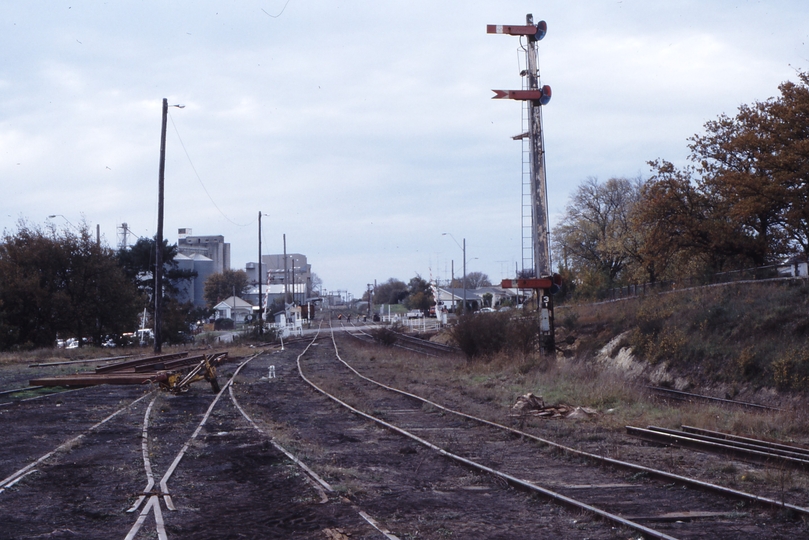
535	96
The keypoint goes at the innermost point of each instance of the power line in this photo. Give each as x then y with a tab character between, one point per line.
200	179
276	16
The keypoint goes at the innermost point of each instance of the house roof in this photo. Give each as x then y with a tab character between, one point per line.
448	293
233	302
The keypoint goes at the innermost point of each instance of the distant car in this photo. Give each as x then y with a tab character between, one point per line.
415	314
487	310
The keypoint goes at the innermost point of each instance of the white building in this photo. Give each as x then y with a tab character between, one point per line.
233	308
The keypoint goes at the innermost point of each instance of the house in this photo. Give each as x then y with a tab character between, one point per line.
288	322
452	298
794	267
233	308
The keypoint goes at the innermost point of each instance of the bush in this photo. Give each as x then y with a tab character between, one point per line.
791	370
252	334
483	335
223	324
384	335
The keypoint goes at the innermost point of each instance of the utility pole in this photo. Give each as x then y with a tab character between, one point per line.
543	282
158	278
158	269
259	279
286	273
463	308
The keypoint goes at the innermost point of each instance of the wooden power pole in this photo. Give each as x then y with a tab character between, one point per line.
158	264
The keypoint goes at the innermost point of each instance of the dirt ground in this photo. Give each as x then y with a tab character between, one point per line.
234	483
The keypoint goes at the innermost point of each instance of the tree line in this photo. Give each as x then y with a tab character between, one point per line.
65	283
741	201
417	293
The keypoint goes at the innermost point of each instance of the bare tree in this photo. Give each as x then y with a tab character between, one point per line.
595	233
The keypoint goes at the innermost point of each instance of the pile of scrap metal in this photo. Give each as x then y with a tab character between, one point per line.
531	405
173	372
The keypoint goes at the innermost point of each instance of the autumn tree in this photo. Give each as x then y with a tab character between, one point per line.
736	161
685	232
745	198
223	285
790	114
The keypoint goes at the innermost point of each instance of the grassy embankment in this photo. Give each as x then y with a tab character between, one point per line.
740	341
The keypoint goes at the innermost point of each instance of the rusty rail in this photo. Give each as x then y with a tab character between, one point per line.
93	379
686	396
174	372
131	364
736	449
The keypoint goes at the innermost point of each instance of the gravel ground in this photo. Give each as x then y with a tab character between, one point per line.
234	483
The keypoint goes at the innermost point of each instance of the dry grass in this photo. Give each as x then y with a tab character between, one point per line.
743	334
55	355
494	385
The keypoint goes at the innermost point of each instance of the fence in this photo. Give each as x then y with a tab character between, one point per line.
775	271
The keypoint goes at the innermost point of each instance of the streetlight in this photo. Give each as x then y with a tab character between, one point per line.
463	308
158	280
63	217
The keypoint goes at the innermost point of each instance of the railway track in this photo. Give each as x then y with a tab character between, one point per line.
416	493
198	452
403	341
202	466
743	448
679	395
62	430
628	495
155	492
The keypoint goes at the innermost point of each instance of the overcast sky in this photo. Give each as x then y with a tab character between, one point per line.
363	129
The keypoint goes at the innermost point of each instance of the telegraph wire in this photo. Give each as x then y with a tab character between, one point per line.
276	16
200	179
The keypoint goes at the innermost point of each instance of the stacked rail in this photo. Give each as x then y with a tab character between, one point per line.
173	372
